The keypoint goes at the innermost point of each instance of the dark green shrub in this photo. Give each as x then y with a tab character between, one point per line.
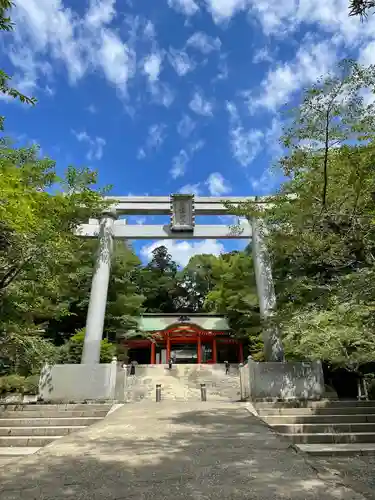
71	352
16	384
11	383
31	385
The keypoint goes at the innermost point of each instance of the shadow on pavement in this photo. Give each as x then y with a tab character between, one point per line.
169	451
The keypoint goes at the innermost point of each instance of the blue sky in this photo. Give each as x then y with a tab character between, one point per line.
163	96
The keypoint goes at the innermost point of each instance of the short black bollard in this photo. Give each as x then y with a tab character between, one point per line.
158	393
203	392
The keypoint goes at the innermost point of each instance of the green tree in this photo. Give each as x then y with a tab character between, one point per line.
194	282
71	352
157	281
6	24
123	302
234	294
39	212
322	237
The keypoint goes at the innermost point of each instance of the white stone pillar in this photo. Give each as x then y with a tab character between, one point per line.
99	291
273	348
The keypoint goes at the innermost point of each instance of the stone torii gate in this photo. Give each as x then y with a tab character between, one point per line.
182	210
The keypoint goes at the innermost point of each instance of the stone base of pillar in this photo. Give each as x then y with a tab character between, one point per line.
78	383
275	381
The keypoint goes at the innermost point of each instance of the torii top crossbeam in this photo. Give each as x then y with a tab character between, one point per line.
182	208
161	205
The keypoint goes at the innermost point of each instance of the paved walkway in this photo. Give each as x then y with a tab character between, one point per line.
189	451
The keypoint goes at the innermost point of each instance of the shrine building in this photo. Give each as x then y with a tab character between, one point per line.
186	338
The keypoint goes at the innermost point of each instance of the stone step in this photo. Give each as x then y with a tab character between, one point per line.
52	413
29	441
15	451
323	438
42	422
319	419
56	407
325	403
324	428
38	431
344	410
348	449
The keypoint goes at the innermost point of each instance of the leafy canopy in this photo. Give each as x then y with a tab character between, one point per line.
322	239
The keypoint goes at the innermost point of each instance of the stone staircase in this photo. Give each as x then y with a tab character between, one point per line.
324	427
183	383
25	428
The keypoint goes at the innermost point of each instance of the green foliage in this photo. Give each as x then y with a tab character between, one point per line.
24	351
234	294
124	299
19	385
7	25
157	282
71	352
37	239
195	282
322	238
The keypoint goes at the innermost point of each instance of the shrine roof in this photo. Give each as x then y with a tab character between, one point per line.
155	322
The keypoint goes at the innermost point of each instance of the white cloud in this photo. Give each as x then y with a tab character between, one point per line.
367	54
116	59
155	138
181	62
149	30
217	185
100	12
245	144
267	182
262	55
91	109
312	60
200	105
83	44
272	138
222	67
185	126
28	69
196	146
44	25
96	145
203	42
156	135
284	16
223	10
182	251
191	189
161	93
152	66
179	163
141	154
187	7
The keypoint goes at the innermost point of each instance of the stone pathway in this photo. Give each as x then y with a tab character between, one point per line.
356	470
189	451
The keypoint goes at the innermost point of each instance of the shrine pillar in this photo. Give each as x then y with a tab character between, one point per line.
199	349
214	350
153	353
168	348
99	291
240	352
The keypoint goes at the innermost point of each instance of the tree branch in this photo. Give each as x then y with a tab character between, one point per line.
13	272
325	161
